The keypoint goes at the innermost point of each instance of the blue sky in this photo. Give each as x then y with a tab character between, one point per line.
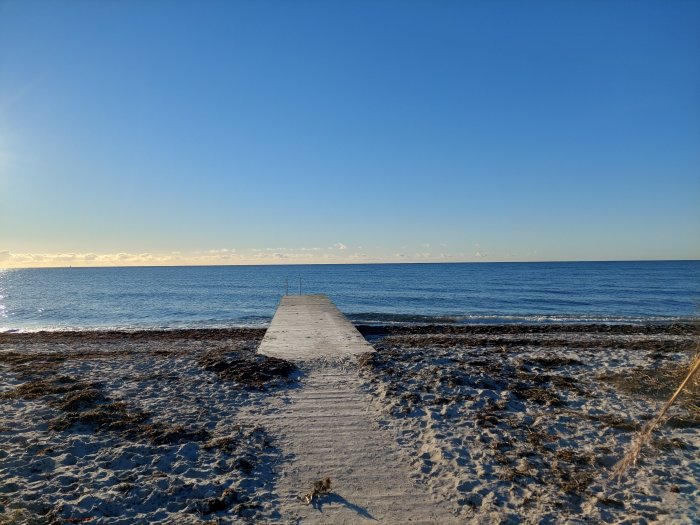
236	132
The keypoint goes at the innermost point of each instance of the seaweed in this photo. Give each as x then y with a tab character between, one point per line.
255	371
38	388
160	434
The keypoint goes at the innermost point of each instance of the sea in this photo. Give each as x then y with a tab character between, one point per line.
156	298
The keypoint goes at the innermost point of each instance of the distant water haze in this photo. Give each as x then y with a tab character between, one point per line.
222	296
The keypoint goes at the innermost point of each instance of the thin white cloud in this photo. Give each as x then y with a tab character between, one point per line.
339	253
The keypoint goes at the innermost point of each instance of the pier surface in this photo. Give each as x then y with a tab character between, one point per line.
328	427
310	326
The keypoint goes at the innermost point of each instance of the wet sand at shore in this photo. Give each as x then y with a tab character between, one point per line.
507	423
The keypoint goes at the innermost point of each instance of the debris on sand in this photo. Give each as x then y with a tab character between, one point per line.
322	486
249	369
46	386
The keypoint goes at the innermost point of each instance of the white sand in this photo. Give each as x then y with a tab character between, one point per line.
112	477
435	430
506	459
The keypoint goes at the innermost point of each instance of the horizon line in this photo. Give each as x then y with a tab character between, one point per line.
562	261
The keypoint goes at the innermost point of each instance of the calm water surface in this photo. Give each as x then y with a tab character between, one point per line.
176	297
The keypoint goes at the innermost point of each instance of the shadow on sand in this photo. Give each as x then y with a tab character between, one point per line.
332	497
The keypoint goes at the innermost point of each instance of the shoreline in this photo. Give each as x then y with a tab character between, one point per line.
690	327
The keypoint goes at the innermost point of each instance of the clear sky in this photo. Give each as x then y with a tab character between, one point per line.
154	132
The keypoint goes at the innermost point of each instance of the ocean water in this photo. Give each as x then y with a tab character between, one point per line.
222	296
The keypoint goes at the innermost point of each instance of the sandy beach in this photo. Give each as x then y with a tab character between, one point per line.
489	424
349	262
524	423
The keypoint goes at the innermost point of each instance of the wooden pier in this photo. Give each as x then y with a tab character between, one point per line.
310	326
329	427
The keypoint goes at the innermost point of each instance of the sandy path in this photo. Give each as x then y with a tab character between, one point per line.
328	428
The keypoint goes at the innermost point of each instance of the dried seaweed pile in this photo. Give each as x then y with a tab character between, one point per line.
248	368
